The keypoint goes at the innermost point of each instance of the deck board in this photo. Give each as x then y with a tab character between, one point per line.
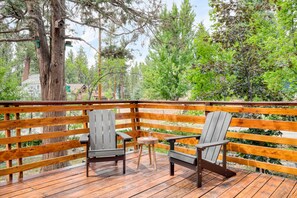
107	180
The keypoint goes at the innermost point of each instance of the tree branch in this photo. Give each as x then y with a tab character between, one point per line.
16	40
80	39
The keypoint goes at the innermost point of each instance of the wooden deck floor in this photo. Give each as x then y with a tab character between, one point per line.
107	180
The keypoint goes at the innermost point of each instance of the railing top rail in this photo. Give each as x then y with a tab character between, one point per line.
270	103
24	103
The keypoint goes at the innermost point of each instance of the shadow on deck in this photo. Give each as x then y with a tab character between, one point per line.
107	180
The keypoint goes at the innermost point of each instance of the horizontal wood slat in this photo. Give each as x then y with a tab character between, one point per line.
265	124
62	108
264	165
171	117
253	163
239	135
231	109
41	136
275	111
52	121
263	151
276	153
37	150
42	163
236	122
171	128
263	138
40	122
173	107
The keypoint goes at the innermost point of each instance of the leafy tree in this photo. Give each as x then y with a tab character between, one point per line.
9	83
44	23
72	76
209	76
115	67
234	24
135	83
277	37
170	55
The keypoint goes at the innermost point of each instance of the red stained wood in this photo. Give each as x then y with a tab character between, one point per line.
107	180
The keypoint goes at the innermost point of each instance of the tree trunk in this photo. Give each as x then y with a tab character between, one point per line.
51	65
26	71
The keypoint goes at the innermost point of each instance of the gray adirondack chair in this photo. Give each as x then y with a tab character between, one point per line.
208	148
102	140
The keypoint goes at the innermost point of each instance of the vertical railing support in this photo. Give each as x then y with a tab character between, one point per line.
19	144
85	126
8	146
135	126
207	104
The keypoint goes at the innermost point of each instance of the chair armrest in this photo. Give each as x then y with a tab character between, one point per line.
84	139
205	145
169	139
124	136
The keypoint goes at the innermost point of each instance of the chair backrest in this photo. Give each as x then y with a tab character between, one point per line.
214	130
102	129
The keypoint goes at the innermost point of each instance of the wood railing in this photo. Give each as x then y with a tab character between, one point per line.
137	118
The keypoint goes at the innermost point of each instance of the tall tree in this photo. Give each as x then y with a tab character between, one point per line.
9	81
209	75
71	73
233	26
44	23
170	54
277	37
115	67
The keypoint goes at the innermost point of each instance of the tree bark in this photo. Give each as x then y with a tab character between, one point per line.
51	57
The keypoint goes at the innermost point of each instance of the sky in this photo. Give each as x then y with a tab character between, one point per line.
140	49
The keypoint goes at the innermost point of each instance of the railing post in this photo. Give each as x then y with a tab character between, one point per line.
19	144
8	146
207	104
85	126
135	126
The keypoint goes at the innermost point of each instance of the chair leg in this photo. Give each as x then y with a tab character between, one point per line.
139	155
199	168
87	168
171	168
124	165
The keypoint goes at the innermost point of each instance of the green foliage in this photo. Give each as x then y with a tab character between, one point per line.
171	54
277	38
71	71
265	144
209	78
78	72
237	30
135	83
9	82
32	143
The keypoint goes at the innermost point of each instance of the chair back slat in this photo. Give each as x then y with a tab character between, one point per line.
102	129
215	129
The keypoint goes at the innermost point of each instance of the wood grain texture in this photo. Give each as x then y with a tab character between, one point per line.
37	150
108	181
32	109
26	138
41	163
231	109
239	135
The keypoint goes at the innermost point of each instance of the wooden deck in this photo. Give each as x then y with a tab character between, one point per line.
107	180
